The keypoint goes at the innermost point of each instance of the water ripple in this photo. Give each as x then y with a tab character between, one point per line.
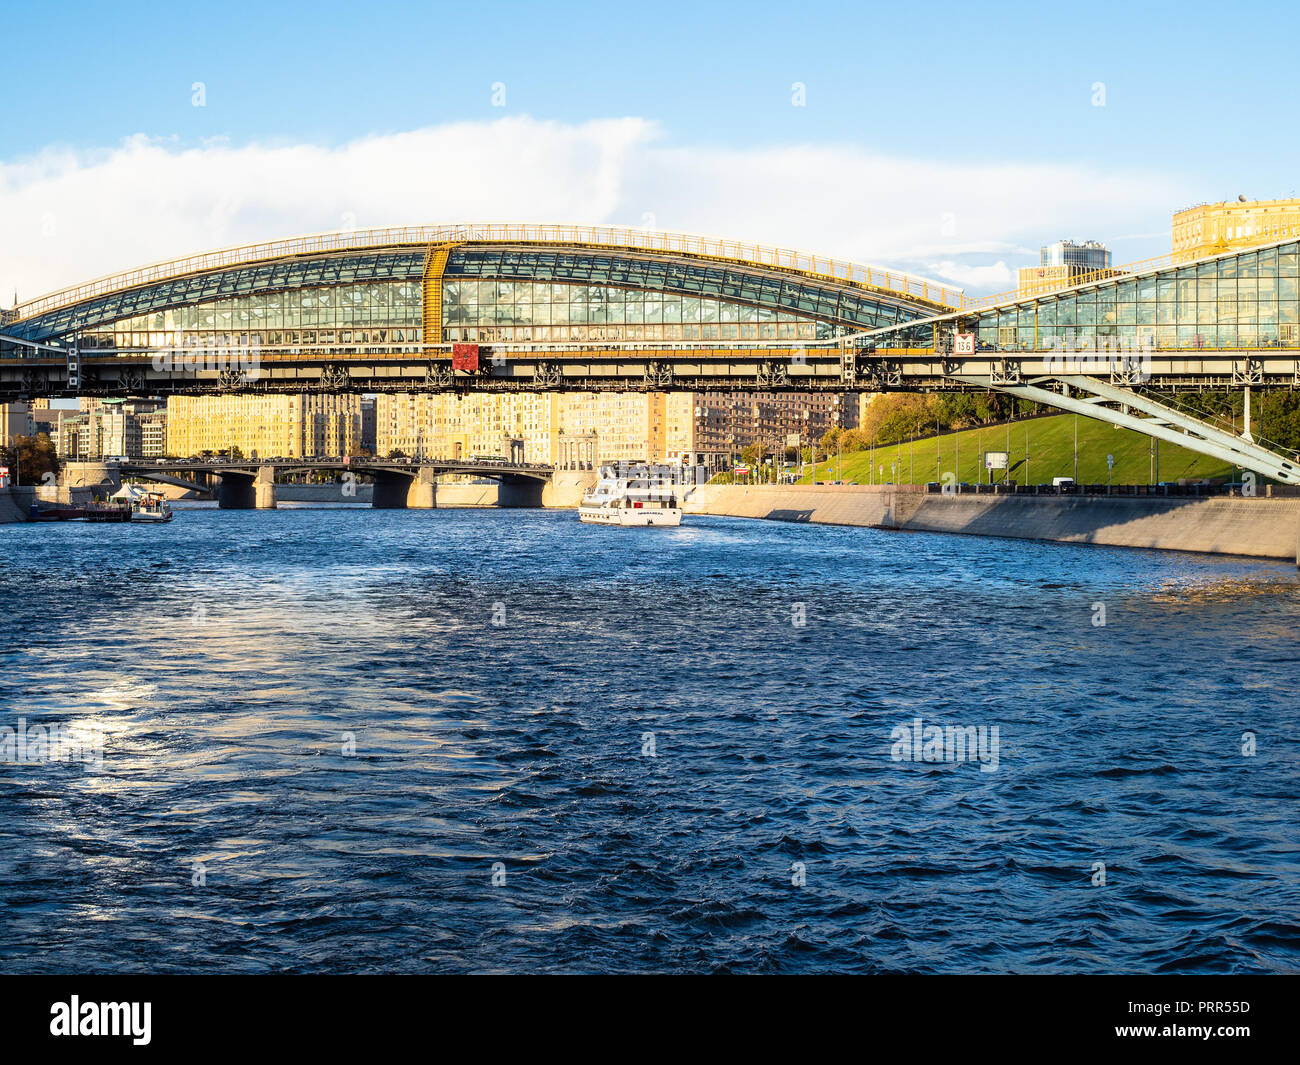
327	732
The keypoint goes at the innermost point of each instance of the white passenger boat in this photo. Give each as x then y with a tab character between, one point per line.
146	504
632	498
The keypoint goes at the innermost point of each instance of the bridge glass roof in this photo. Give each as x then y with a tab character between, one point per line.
221	286
638	296
1248	299
390	310
786	293
499	311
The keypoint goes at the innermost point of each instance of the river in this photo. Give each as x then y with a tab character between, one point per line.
339	740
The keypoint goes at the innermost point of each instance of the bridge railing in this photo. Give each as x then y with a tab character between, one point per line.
504	232
1042	288
355	461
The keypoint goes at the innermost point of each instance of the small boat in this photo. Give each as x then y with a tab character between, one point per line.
153	506
637	496
146	504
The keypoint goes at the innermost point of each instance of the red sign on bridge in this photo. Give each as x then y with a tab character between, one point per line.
464	357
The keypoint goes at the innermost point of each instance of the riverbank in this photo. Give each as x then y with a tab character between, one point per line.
16	501
1263	528
10	509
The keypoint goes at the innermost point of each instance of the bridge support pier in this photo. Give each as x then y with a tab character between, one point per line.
244	490
423	492
417	490
264	489
520	492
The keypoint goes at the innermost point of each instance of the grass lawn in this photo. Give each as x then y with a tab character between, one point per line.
1041	448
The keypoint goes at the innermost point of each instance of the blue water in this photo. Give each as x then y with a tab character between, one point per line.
648	744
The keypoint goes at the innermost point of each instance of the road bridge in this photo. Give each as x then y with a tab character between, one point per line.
399	483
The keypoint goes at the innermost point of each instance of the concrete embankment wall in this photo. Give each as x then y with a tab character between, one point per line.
175	492
566	488
11	509
16	501
323	493
1266	528
446	495
467	495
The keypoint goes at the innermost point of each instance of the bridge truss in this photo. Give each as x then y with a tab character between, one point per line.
1108	388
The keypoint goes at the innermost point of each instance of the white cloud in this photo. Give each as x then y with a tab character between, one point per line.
68	216
996	277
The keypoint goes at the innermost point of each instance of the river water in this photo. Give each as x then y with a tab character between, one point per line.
350	740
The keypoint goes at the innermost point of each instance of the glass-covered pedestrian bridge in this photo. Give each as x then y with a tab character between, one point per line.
400	289
1107	347
580	308
1247	300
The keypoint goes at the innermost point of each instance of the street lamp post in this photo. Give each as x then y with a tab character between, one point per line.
802	429
1076	449
938	444
696	434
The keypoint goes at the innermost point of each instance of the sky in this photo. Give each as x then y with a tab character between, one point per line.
946	140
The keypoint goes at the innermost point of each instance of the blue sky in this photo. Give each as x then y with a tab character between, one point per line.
1195	106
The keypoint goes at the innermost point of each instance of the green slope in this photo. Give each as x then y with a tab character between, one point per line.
1050	447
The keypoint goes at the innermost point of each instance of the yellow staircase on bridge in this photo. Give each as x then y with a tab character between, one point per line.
435	262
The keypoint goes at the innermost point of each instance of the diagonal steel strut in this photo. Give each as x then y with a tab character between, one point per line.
1162	422
33	344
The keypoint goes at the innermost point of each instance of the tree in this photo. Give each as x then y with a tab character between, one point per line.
1279	419
31	458
1276	415
852	440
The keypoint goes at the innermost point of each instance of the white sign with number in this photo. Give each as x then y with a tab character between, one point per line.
963	344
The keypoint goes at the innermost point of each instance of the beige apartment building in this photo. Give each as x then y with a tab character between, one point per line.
627	425
552	428
1213	228
560	429
287	426
445	425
